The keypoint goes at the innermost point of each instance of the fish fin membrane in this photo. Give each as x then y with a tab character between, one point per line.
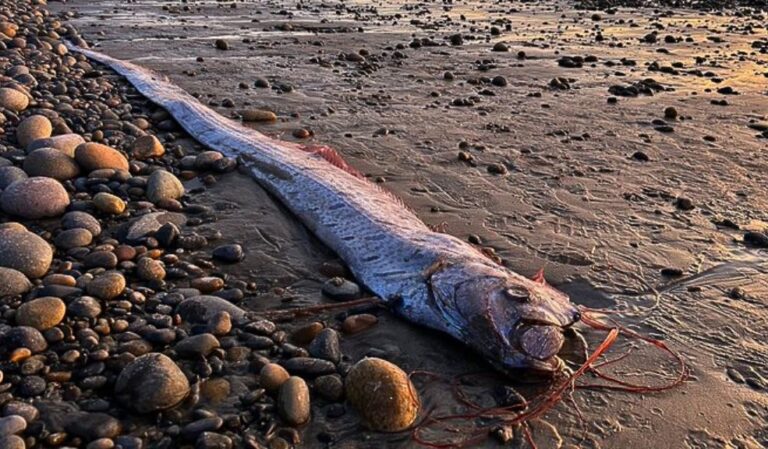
333	157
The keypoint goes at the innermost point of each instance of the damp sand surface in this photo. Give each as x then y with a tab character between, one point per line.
606	197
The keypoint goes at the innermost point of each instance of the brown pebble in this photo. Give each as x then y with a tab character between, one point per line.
358	323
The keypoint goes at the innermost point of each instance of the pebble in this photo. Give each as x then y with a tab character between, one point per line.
93	426
25	337
94	156
221	44
326	346
146	147
229	253
207	284
9	175
108	203
151	383
32	128
200	309
84	220
341	289
150	269
211	440
107	285
197	345
66	143
382	394
73	238
220	324
13	100
35	198
257	115
330	387
164	186
84	307
13	282
11	441
308	366
25	252
11	425
51	163
358	323
272	376
41	313
293	401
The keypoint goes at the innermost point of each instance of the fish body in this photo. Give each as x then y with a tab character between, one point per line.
430	278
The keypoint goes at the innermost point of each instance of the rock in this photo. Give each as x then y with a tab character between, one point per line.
25	337
35	198
11	174
151	383
293	401
94	156
257	115
106	286
326	346
221	44
150	223
108	203
212	440
84	307
207	284
200	309
92	426
220	324
197	345
25	252
272	376
32	128
11	425
73	238
207	159
41	313
13	282
195	428
341	289
756	239
308	366
66	143
13	100
51	163
84	220
306	333
382	394
146	147
31	386
163	186
229	253
150	269
500	46
331	387
358	323
12	442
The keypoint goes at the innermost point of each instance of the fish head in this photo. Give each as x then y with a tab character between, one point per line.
515	322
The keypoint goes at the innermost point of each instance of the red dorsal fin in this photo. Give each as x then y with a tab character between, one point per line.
539	277
333	157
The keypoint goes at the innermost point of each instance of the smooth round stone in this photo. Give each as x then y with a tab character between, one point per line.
200	309
12	442
272	376
92	426
330	387
308	366
382	394
326	346
220	324
41	313
229	253
207	159
257	115
207	284
195	428
73	238
13	100
11	174
94	156
27	411
212	440
146	147
101	259
84	307
35	198
13	282
341	289
150	383
25	337
108	203
25	252
32	128
84	220
197	345
13	424
66	143
31	386
106	286
164	186
101	443
358	323
51	163
150	269
293	401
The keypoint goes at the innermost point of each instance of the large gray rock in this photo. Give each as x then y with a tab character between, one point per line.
84	220
151	383
66	143
25	252
164	186
35	198
51	163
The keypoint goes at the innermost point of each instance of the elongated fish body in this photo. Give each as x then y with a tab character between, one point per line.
429	278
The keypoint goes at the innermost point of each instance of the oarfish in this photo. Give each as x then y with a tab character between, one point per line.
429	278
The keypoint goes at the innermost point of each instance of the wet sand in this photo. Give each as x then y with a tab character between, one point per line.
578	198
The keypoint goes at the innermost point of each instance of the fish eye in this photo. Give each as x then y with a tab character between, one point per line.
518	294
